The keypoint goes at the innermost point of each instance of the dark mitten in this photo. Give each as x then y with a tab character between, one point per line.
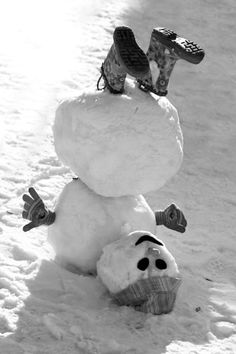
172	217
35	211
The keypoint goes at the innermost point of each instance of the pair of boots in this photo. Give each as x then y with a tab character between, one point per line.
126	57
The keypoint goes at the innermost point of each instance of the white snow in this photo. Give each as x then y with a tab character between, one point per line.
51	50
86	222
1	135
117	266
119	145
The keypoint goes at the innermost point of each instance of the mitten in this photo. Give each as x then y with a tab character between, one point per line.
172	217
35	211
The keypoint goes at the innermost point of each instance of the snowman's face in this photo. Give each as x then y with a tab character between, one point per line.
156	260
152	256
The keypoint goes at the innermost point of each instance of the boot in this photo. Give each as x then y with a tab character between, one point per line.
124	57
165	48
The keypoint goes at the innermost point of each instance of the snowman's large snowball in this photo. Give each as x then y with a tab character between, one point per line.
119	144
123	262
86	222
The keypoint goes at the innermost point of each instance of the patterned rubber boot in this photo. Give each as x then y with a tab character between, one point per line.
124	57
165	48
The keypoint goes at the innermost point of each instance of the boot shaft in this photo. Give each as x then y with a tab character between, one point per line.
165	60
113	72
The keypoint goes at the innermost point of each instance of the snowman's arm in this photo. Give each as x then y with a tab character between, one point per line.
35	211
172	217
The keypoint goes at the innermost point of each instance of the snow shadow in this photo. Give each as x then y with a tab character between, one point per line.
71	313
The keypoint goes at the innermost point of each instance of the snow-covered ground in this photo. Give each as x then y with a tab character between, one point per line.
51	50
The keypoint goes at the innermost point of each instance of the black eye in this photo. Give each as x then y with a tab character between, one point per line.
160	264
143	264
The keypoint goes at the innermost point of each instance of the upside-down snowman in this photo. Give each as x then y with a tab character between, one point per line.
121	141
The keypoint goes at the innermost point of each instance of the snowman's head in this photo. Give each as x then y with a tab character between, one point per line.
138	268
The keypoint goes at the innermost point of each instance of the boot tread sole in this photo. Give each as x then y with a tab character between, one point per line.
183	48
131	56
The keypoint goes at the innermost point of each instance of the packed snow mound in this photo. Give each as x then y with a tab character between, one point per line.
1	135
119	145
86	222
133	258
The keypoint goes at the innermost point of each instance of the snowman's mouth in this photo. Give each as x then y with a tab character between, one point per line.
149	239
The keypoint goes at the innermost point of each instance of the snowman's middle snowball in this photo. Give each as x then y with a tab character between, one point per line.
86	222
119	144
